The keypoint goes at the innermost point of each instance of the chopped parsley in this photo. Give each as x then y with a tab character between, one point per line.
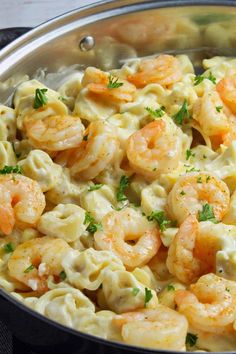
189	154
157	113
124	183
160	218
182	193
207	214
85	138
135	291
199	179
93	226
62	275
11	169
208	179
118	208
191	339
182	114
31	267
170	287
219	108
95	187
198	79
227	289
192	169
148	296
8	248
40	98
113	82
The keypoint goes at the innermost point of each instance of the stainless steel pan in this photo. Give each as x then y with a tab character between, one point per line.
106	35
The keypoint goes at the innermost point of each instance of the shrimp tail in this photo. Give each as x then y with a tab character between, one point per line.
7	218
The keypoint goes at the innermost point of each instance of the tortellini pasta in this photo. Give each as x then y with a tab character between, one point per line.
87	269
65	221
7	123
7	154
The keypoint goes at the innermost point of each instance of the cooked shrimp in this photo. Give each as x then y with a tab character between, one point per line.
97	82
155	149
54	133
95	152
128	225
189	256
33	261
210	305
193	190
227	90
213	122
159	328
164	70
21	202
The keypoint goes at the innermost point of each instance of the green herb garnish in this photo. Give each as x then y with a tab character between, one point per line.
113	82
148	296
198	79
95	187
31	267
124	183
182	193
11	169
189	153
219	108
170	287
40	98
207	214
135	291
182	114
199	179
157	113
62	275
93	226
192	169
191	339
160	218
8	248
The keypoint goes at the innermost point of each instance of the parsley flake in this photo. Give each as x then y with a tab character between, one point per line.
189	154
191	339
11	169
208	179
40	98
170	287
62	275
148	296
199	78
124	183
113	82
135	291
199	179
207	214
219	108
157	113
227	289
8	248
95	187
182	114
182	193
31	267
192	169
92	225
160	218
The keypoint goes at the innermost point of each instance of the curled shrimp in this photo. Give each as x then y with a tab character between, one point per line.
154	149
210	305
193	190
54	133
95	153
33	261
97	82
122	228
21	202
226	88
164	70
208	112
161	328
189	256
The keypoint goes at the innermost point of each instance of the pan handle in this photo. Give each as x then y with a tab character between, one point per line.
7	35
